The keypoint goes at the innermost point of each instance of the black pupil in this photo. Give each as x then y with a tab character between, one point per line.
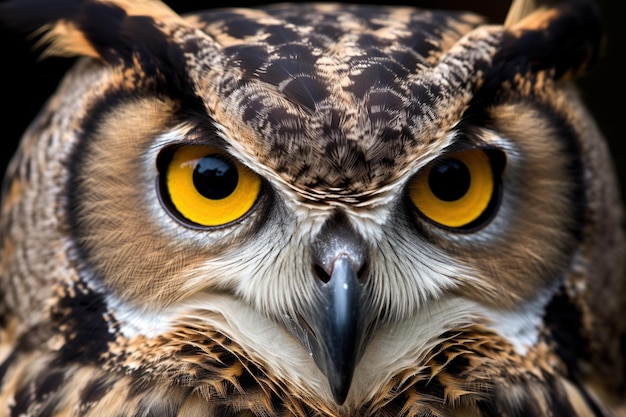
449	180
215	177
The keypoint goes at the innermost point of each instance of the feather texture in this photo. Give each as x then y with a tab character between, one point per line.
350	135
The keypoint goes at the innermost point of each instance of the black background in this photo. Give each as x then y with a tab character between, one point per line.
27	81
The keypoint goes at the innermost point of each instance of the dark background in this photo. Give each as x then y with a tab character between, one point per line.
27	81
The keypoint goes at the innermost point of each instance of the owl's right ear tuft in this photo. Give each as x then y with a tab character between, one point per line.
53	23
109	30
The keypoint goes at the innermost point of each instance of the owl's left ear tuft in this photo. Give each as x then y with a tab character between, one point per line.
565	37
109	30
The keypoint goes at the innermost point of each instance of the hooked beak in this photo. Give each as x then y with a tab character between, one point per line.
335	330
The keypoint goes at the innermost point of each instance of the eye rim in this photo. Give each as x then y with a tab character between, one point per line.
164	159
497	161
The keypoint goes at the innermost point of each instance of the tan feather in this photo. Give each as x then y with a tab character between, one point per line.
65	38
519	10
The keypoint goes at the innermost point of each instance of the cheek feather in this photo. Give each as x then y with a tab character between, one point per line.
312	210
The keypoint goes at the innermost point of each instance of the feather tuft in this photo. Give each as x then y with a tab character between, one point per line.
519	10
101	29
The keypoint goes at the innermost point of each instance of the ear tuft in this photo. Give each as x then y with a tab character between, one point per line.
103	29
566	37
519	9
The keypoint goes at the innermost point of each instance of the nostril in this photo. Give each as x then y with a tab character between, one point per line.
321	274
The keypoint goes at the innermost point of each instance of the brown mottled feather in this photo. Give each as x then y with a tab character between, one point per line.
109	307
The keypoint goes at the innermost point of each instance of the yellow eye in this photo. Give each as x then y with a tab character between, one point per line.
208	187
457	190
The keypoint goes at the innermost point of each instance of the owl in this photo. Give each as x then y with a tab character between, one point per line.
312	209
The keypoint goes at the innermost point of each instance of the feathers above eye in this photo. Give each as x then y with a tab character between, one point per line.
311	209
565	36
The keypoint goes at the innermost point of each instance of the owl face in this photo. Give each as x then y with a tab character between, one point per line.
339	187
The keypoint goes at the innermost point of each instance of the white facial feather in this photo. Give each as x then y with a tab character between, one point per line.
396	346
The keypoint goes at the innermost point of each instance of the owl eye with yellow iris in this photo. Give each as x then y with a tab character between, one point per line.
460	190
207	187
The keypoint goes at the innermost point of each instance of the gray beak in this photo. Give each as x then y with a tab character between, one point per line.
336	329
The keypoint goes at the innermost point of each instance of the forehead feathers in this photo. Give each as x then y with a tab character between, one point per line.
330	96
337	100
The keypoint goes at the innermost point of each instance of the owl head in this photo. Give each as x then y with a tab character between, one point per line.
335	189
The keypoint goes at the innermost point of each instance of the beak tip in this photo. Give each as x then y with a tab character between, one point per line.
340	386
